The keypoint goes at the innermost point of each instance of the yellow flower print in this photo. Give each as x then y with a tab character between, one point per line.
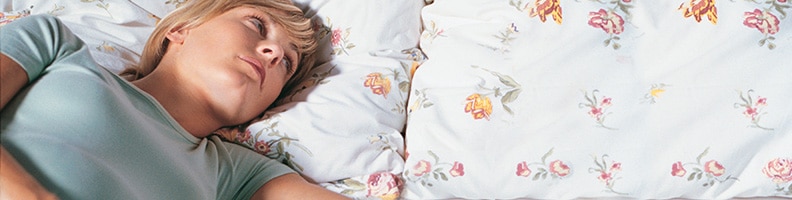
478	106
543	8
106	47
378	84
699	8
654	93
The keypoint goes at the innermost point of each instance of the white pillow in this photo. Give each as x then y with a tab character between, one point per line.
520	99
115	31
342	127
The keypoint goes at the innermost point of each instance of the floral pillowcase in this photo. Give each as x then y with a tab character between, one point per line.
555	99
343	126
102	25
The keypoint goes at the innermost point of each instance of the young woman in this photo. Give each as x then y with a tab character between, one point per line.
73	130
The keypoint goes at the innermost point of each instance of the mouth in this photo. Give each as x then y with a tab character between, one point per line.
257	67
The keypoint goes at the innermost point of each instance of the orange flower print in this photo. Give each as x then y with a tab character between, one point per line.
556	168
378	84
753	109
607	173
427	172
700	8
478	106
710	171
780	171
544	8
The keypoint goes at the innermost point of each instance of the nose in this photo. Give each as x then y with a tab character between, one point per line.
271	51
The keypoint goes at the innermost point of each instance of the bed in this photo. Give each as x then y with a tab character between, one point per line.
515	99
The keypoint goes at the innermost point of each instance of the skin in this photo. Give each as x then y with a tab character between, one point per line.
202	87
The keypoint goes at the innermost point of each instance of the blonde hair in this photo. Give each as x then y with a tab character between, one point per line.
195	12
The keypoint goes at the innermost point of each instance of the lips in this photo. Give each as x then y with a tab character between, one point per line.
257	67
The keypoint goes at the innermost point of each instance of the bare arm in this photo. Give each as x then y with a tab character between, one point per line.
292	186
12	78
15	181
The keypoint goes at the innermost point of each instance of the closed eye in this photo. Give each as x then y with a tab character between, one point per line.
259	24
289	64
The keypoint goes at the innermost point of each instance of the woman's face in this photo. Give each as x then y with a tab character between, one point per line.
239	62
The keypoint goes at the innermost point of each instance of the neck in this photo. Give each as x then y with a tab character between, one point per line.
184	105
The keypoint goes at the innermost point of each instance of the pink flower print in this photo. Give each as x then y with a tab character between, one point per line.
559	168
626	1
427	172
761	102
335	38
710	171
780	170
556	168
383	186
753	109
714	168
606	102
457	169
596	113
421	168
751	113
605	177
608	21
763	21
616	167
597	107
523	170
607	173
262	147
678	170
339	39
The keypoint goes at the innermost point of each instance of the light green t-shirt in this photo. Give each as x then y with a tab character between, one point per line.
85	133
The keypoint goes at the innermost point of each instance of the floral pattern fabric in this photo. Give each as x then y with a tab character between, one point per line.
556	99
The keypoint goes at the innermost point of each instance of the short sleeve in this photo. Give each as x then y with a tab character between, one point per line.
244	171
38	41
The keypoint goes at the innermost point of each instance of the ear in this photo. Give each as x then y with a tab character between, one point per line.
177	34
